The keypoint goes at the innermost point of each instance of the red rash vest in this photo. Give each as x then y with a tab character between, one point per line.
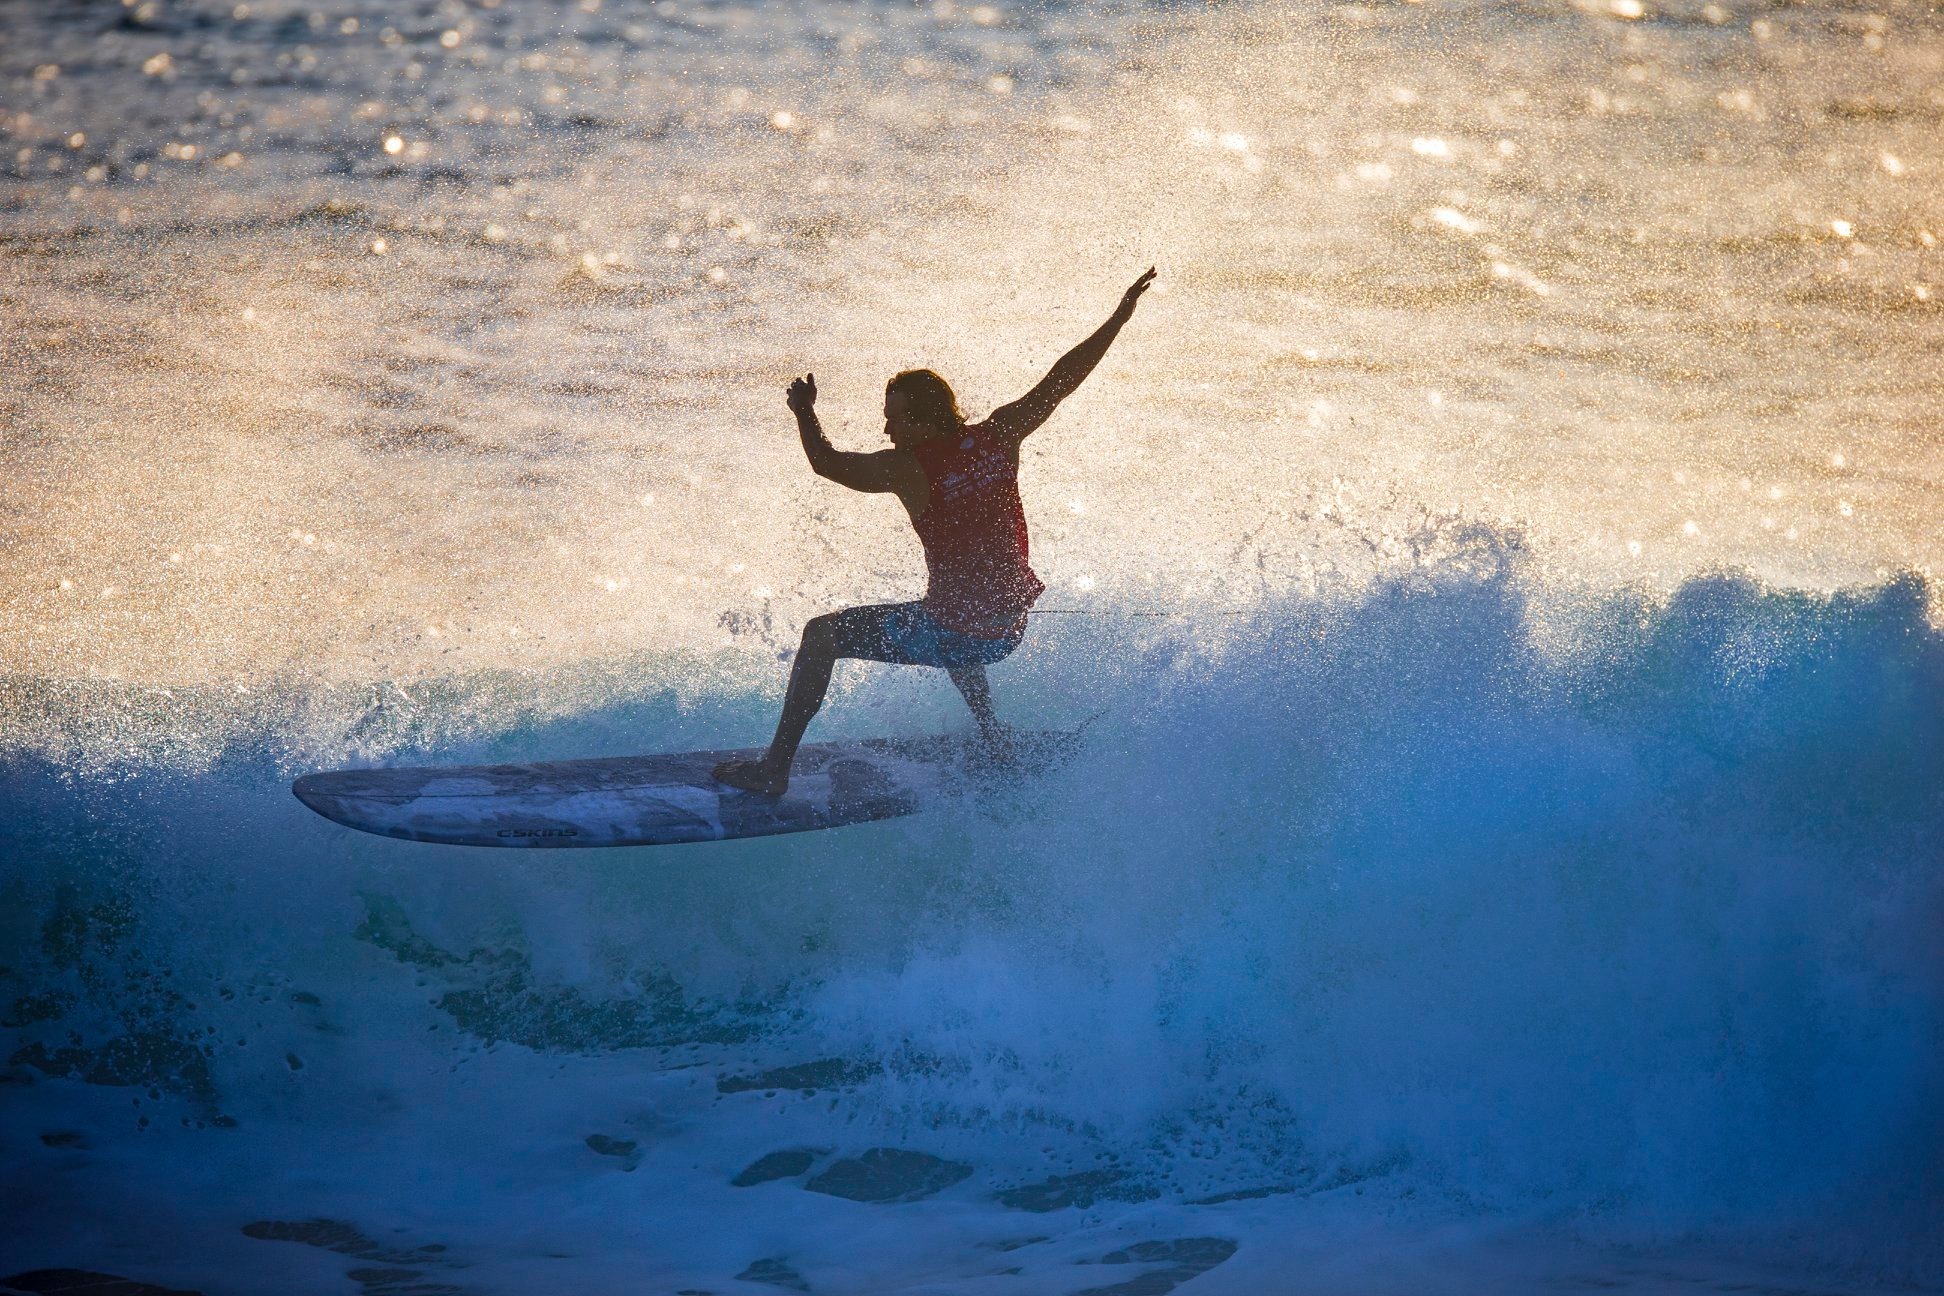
974	533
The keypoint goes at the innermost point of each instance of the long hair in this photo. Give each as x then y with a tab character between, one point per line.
932	403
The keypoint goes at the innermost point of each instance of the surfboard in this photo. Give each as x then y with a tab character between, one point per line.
667	799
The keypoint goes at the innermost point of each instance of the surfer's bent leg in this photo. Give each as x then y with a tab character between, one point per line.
903	634
854	632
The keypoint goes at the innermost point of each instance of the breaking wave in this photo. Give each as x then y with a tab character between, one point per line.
1623	914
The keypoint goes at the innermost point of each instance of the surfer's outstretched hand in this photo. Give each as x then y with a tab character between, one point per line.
1133	294
803	394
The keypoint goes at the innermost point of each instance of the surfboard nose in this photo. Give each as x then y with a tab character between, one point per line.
305	789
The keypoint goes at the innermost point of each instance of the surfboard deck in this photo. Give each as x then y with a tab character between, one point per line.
666	799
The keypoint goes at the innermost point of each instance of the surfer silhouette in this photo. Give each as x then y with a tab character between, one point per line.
959	482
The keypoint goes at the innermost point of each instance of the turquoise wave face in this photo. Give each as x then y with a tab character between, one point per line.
1449	903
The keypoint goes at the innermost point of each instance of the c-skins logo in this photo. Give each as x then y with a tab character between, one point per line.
539	832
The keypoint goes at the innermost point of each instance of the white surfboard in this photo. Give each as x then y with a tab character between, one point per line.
662	800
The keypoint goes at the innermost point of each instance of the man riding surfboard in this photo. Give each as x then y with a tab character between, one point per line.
959	482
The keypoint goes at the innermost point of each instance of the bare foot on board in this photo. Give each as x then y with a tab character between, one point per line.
999	745
755	776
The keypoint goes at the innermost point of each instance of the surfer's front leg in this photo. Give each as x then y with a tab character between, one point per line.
824	640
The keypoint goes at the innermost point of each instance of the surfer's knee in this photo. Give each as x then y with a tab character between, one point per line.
820	633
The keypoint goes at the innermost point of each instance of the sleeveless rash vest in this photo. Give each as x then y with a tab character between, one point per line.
974	533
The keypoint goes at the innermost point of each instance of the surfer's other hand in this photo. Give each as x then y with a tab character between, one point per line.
1133	294
803	394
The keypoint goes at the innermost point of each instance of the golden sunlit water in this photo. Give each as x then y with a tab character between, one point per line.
478	363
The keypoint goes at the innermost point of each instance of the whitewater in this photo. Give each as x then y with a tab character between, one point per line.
1500	555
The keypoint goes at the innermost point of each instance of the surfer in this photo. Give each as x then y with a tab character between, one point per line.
959	482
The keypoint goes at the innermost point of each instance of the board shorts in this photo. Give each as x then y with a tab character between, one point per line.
910	636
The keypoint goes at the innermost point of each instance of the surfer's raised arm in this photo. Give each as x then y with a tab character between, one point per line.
1015	422
886	470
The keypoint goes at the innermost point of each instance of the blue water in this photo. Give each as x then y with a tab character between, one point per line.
1442	910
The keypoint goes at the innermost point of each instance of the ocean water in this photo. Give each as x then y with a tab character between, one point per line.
1501	553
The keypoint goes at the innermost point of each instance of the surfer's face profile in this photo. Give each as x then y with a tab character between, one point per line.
897	417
